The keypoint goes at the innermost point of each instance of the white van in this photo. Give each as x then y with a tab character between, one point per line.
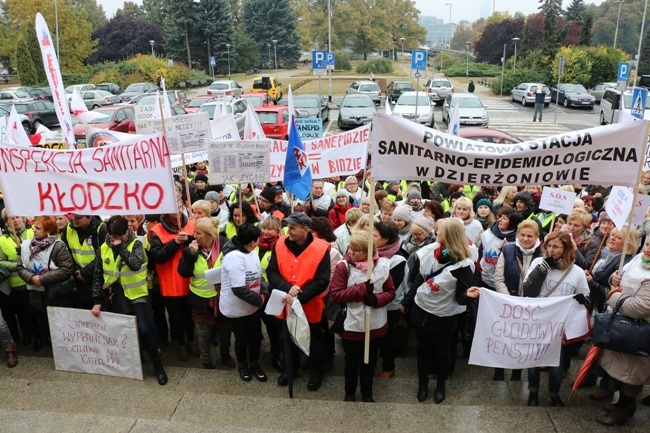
612	104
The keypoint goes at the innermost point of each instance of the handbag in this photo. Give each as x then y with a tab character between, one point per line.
620	333
337	327
61	290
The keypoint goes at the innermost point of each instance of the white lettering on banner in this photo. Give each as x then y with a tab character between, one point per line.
187	133
239	161
405	150
337	155
514	332
106	345
129	176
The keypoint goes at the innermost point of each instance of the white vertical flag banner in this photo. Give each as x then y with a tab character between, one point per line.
454	122
16	130
51	64
252	127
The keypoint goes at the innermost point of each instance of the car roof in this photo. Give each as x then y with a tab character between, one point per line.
413	93
260	94
203	97
275	108
486	132
114	107
307	95
464	95
365	82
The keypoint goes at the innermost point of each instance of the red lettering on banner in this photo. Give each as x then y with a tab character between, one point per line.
344	164
95	187
128	195
315	169
145	190
111	194
279	146
558	196
80	188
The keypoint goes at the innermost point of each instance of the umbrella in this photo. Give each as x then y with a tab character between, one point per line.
586	366
288	357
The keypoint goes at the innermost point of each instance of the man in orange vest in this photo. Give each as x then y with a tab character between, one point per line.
300	266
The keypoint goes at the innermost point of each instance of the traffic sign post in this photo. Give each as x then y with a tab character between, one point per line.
639	97
560	72
622	76
213	64
319	62
330	61
418	70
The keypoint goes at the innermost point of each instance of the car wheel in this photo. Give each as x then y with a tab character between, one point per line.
546	104
523	101
37	123
433	121
512	98
95	106
602	119
566	102
27	127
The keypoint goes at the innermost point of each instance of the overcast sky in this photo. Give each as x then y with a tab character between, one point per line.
469	10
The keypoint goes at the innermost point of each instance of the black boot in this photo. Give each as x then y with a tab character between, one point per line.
439	396
161	376
257	372
499	375
516	375
423	391
557	401
244	372
533	399
646	401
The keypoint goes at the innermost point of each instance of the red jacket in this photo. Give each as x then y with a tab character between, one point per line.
337	215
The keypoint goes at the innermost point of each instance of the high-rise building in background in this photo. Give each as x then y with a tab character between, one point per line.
438	32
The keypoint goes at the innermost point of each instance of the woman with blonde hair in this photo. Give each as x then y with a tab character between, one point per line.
356	194
505	198
201	209
463	208
439	281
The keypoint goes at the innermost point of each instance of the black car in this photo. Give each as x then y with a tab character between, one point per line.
314	106
43	93
39	112
572	95
114	88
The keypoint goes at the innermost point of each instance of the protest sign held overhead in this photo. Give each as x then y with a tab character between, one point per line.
557	200
186	133
106	345
309	128
132	176
239	161
342	154
405	150
619	205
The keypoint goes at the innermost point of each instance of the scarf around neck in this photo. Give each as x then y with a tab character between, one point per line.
528	251
389	250
266	243
36	246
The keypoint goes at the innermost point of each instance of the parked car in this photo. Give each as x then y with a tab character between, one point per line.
489	135
472	110
355	110
99	98
395	89
433	88
227	89
644	81
194	104
43	93
136	89
179	96
116	118
40	112
311	105
614	102
274	120
525	93
366	88
5	110
114	88
572	95
10	96
257	99
236	106
270	85
80	88
599	89
150	99
410	103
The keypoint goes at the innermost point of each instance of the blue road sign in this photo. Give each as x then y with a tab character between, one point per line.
623	71
419	60
330	61
319	59
639	97
213	61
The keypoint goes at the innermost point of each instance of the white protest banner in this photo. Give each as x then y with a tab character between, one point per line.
239	161
517	332
224	128
143	112
185	133
557	200
96	137
132	176
640	208
83	343
619	205
342	154
402	149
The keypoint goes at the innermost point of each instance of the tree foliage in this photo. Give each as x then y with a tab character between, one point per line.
550	6
489	48
24	63
95	12
132	10
577	65
282	28
586	29
576	11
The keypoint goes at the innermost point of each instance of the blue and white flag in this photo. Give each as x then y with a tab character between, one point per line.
297	172
454	120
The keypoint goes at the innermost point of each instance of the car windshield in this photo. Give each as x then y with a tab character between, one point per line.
21	108
255	101
305	103
267	117
197	102
107	115
135	88
469	103
423	99
219	86
627	100
441	83
575	88
151	99
103	87
210	109
21	94
357	102
403	86
369	88
104	93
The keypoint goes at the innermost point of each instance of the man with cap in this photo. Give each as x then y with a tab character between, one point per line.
300	267
279	202
414	201
219	206
394	191
200	187
84	237
267	204
318	203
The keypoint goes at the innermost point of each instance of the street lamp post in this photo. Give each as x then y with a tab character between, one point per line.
620	3
442	47
467	63
401	65
228	47
514	64
329	46
269	47
152	42
56	19
450	26
275	53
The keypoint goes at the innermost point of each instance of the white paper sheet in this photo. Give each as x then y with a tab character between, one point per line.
213	275
276	303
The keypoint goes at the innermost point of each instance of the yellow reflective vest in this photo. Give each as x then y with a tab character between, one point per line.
82	253
134	283
198	282
8	247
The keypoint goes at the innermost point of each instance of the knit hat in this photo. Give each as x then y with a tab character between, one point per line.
603	217
425	223
403	213
483	202
212	196
526	197
268	194
201	177
414	193
342	193
392	183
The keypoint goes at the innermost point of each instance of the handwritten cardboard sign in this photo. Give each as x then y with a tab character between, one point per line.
239	161
309	128
185	133
640	208
514	332
557	200
83	343
619	205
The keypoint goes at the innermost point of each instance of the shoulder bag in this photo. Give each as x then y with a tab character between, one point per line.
61	290
614	331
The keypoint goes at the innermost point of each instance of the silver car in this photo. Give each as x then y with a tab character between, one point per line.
438	89
99	98
406	108
369	88
235	106
24	120
525	93
356	110
227	89
472	110
10	96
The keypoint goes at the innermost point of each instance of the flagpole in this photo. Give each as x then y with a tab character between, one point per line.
179	220
371	243
257	203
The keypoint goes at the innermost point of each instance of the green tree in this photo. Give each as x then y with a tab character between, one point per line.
576	11
132	10
550	6
215	25
24	62
268	20
246	55
577	65
552	36
586	29
605	62
644	60
95	12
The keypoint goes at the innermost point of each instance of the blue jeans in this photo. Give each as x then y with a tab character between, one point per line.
554	377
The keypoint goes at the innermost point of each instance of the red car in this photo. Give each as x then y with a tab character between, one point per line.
194	105
257	99
116	118
274	120
488	135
